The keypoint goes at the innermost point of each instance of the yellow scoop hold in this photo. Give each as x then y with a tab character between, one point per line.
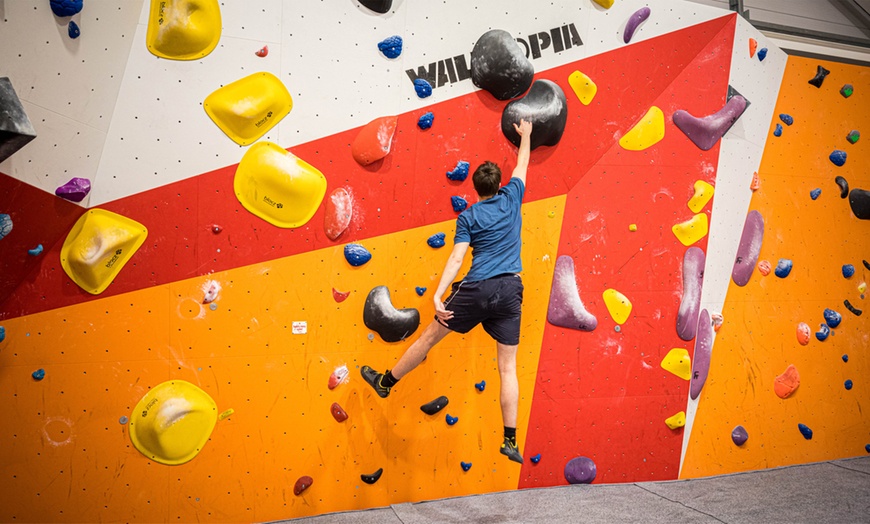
249	107
183	29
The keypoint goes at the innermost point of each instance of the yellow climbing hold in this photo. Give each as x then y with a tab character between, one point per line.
277	186
691	230
703	194
551	214
862	287
583	87
677	361
183	29
98	246
646	133
249	107
172	422
226	414
606	4
676	421
617	304
632	227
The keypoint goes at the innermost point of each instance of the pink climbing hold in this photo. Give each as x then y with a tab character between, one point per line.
703	350
263	51
565	308
338	212
690	302
706	131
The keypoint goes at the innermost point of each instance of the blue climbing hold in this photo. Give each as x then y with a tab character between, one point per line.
814	194
805	431
783	268
2	333
823	332
848	270
35	251
465	465
459	203
786	119
460	172
66	7
867	448
778	130
39	374
838	157
5	225
425	121
762	54
436	240
422	87
420	290
848	384
391	47
451	420
536	458
481	385
832	318
845	358
73	30
356	255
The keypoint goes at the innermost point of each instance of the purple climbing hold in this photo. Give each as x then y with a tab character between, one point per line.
75	190
823	332
739	435
786	119
436	240
460	172
420	290
378	6
706	131
500	66
855	311
480	386
5	225
391	47
422	87
814	194
690	301
465	465
565	308
805	431
35	251
821	73
853	136
356	255
848	384
847	90
838	157
748	249
536	458
848	270
382	317
762	54
634	22
778	131
459	204
39	374
832	318
545	106
66	7
783	268
843	185
703	351
580	470
73	30
425	121
451	420
859	201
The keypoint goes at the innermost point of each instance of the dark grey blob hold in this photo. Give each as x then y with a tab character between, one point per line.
821	73
15	128
378	6
371	479
859	201
545	107
430	408
844	186
500	66
390	323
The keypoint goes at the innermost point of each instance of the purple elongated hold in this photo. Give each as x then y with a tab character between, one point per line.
701	358
566	309
634	22
739	435
690	302
748	249
706	131
75	190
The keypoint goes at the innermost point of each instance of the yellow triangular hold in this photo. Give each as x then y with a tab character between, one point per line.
606	4
676	421
98	246
617	304
278	186
677	361
703	194
172	422
691	230
646	133
183	29
249	107
583	87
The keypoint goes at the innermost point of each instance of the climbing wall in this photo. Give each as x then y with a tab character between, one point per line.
259	317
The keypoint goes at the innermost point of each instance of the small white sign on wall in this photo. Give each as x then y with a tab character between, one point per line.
300	327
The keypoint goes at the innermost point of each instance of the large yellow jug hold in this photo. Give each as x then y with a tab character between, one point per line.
183	29
583	87
677	361
248	108
618	305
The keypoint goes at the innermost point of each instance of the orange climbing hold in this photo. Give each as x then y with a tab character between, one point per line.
803	333
764	267
755	183
374	140
753	45
787	383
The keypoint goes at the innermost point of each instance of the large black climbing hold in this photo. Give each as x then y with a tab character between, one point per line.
545	107
500	66
859	201
821	73
378	6
371	479
430	408
390	323
15	128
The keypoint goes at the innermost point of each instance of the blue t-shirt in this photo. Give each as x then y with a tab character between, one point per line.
492	228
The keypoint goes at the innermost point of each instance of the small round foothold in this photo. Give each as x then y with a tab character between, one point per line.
632	227
480	385
371	336
213	306
216	229
845	358
551	214
123	420
848	384
39	374
617	329
536	458
814	194
465	465
73	30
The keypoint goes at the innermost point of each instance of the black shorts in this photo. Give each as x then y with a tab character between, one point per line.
495	302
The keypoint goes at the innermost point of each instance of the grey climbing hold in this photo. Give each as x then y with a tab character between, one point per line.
465	465
855	311
378	6
73	30
848	384
805	431
762	54
15	128
859	201
391	46
425	121
5	225
814	194
213	306
832	318
706	131
821	73
838	157
634	22
566	309
545	107
75	190
383	318
422	87
778	130
436	240
433	407
783	268
823	332
459	204
39	374
356	255
451	420
372	478
853	136
499	66
848	270
739	435
580	470
786	119
35	251
844	186
460	172
123	420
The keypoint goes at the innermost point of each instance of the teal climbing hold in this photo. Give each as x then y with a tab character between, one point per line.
39	374
35	251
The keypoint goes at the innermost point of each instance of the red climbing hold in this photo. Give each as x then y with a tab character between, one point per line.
755	183
787	383
753	45
339	210
302	484
338	295
339	414
374	140
263	51
337	377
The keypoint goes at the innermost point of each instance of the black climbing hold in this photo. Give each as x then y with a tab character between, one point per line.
371	479
430	408
378	6
390	323
821	73
500	66
545	107
832	318
857	312
844	186
859	201
866	264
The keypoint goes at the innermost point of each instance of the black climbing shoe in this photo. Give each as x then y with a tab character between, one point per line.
511	450
374	380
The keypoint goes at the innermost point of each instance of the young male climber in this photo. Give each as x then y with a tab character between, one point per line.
490	294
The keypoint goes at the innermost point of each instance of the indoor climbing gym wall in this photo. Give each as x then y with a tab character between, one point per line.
213	214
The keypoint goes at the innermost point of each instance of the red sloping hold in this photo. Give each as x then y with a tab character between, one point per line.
406	189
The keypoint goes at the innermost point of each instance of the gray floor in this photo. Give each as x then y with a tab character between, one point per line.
836	492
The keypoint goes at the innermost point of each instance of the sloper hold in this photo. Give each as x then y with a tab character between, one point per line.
703	193
817	80
649	131
459	204
748	249
676	421
706	131
803	333
583	87
634	22
580	470
677	361
500	66
372	478
337	213
356	255
378	6
545	107
617	304
739	435
183	29
434	406
859	201
848	270
690	300
382	317
786	384
302	483
374	140
702	353
691	230
838	157
436	240
75	190
566	309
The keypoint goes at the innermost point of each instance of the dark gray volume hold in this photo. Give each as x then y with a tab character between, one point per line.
500	66
430	408
390	323
859	201
378	6
545	107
